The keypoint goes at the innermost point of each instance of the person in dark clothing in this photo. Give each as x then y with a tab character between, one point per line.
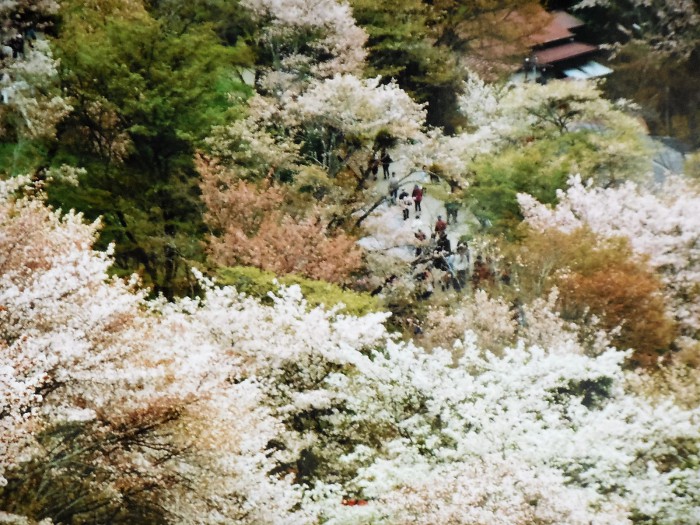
17	45
373	165
439	261
505	275
386	161
442	251
425	285
443	243
452	208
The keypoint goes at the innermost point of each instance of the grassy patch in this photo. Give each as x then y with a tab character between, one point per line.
259	283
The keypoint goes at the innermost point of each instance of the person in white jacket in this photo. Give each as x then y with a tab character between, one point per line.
406	202
460	265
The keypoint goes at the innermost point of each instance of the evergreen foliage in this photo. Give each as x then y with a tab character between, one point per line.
144	97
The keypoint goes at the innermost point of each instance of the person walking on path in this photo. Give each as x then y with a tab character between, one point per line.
417	197
440	225
373	165
482	273
421	242
441	252
460	264
452	207
406	202
386	161
443	244
393	187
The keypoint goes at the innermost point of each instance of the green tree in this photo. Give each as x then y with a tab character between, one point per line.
144	96
539	169
401	47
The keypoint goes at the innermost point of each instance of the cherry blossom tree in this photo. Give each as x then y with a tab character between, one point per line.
334	125
252	228
452	425
32	94
307	39
224	409
332	120
448	156
102	394
611	137
598	137
248	148
529	108
662	225
339	114
32	102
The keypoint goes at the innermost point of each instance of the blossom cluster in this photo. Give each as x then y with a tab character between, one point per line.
227	409
660	223
325	30
30	89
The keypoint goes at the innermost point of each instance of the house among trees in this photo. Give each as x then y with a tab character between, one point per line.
555	52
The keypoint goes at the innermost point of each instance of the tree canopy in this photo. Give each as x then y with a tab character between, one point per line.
328	262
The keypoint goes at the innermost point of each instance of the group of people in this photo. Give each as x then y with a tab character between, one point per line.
384	160
405	200
437	263
13	41
434	254
411	201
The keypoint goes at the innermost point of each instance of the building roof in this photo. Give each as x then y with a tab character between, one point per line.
555	54
557	28
550	33
564	19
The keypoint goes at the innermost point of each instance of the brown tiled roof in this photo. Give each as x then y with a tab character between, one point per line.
567	20
551	33
564	19
557	28
562	52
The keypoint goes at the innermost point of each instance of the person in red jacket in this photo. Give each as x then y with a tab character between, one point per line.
417	196
440	225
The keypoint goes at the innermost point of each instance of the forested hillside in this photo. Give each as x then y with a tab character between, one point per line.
325	262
